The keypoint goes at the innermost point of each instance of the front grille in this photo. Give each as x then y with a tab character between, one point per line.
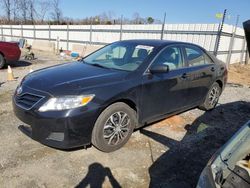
27	100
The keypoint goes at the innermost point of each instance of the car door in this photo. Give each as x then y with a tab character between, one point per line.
163	93
200	73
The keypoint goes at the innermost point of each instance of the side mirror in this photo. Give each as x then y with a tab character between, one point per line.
159	69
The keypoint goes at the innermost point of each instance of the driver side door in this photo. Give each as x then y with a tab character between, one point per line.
164	93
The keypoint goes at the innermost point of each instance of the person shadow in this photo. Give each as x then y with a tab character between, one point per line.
96	176
184	161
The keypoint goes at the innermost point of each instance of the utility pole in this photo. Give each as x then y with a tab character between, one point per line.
231	44
163	25
217	44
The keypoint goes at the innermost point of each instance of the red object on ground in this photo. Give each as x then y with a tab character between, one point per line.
10	51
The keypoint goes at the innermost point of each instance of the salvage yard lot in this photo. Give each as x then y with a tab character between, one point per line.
169	153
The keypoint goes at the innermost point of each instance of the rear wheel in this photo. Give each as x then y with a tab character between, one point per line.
212	97
2	61
114	127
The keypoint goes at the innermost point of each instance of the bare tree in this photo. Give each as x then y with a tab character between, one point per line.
43	7
15	10
23	5
32	11
136	17
7	8
56	12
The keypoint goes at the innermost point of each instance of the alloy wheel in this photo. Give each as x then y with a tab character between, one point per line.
213	96
116	128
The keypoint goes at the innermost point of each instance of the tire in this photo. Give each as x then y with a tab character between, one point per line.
2	61
108	135
212	97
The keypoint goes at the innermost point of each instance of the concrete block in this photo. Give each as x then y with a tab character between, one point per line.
43	45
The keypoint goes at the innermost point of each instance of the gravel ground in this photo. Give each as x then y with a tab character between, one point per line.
169	153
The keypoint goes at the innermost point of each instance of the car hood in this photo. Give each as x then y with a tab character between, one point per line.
71	77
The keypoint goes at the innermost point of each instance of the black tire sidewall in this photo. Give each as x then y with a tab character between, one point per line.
97	135
206	106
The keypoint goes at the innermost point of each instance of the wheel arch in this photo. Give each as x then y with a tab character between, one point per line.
2	54
129	102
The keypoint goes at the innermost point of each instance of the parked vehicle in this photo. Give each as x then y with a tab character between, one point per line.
9	51
230	166
111	92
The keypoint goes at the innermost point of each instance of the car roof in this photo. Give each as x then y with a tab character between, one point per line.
155	42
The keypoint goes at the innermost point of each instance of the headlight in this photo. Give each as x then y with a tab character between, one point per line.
67	102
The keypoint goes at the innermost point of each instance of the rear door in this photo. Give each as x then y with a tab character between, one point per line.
200	73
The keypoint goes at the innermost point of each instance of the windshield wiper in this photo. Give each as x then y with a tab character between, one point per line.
97	65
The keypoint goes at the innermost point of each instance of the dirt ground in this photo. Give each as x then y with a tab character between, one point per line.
170	153
239	74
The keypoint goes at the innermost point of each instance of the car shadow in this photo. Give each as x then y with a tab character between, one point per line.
183	163
15	64
96	176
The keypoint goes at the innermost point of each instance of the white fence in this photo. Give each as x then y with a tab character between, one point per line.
205	35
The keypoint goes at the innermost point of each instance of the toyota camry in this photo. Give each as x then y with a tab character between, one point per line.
121	87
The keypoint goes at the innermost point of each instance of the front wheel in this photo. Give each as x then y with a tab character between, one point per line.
212	97
114	127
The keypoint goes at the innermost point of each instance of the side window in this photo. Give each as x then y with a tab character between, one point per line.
170	56
208	60
195	56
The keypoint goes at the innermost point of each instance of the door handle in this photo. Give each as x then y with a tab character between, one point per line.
184	76
212	69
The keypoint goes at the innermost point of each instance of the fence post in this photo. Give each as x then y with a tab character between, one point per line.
242	50
217	43
121	27
90	34
163	25
22	30
2	31
11	32
67	36
57	44
231	44
49	33
34	32
247	58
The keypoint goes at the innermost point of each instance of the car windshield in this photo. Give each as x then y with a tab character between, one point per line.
120	56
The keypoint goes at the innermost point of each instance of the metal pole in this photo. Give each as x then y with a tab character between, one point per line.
242	50
11	32
49	33
57	44
67	36
231	44
217	44
90	34
22	30
2	31
163	25
121	27
34	32
247	58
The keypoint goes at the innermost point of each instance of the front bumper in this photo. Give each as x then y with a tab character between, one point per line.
59	129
